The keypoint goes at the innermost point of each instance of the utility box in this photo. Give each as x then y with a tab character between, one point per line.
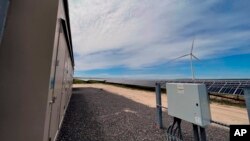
189	102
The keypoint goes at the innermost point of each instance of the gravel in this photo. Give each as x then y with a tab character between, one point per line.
97	115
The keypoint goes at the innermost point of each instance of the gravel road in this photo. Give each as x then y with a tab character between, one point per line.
98	115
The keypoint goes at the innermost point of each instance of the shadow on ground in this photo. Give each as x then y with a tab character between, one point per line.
97	115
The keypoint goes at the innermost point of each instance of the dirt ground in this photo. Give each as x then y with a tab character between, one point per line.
221	113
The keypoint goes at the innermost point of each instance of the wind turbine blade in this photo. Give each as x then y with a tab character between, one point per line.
195	57
192	47
178	57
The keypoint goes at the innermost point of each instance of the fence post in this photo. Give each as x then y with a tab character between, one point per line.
247	100
158	105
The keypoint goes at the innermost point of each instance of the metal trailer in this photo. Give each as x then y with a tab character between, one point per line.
37	66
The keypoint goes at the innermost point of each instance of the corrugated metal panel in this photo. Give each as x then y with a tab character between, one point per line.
28	54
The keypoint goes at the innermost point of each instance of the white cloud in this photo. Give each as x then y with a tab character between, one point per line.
141	33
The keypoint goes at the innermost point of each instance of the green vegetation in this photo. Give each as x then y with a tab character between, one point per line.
136	87
78	81
237	101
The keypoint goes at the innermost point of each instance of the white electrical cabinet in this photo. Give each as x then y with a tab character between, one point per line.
189	102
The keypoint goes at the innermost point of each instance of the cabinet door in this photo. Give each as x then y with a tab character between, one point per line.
58	86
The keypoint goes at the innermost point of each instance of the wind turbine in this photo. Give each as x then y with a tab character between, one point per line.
191	59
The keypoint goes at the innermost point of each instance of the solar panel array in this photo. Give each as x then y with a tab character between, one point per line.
217	86
235	87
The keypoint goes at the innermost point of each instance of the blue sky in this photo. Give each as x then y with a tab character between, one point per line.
138	38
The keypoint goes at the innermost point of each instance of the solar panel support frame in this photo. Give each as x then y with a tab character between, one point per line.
158	105
247	100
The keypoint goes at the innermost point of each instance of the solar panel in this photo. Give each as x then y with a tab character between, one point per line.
234	87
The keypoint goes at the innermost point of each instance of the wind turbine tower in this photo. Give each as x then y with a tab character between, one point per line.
191	59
